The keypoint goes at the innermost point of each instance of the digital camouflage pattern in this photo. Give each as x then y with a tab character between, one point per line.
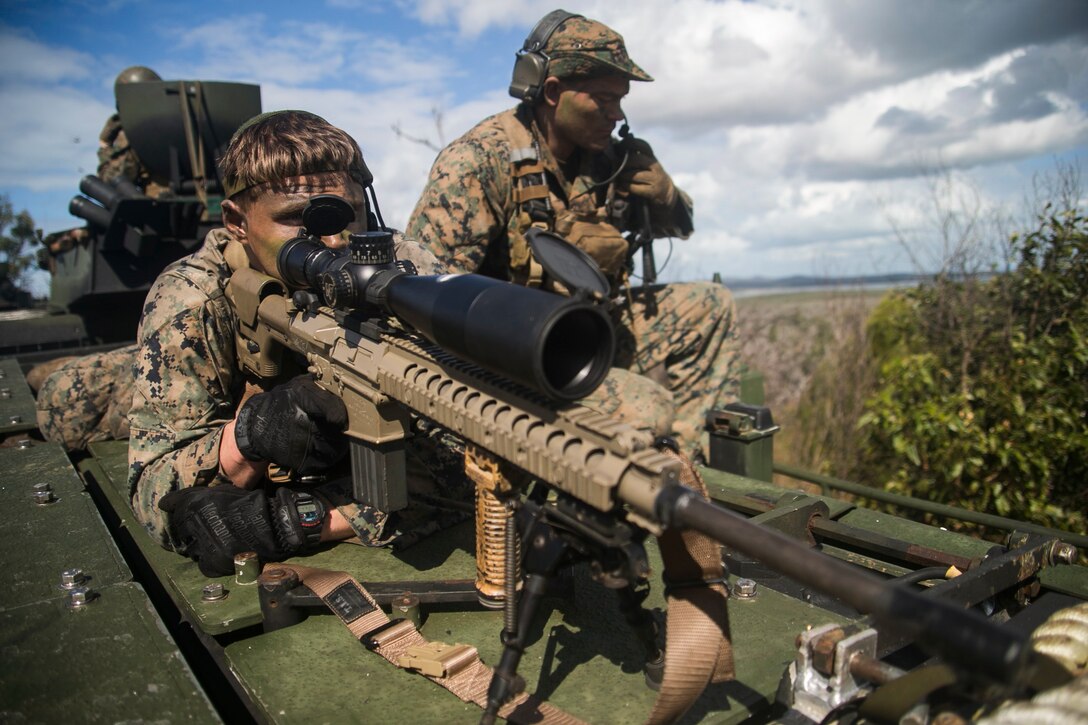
117	159
690	346
85	399
468	218
580	46
188	387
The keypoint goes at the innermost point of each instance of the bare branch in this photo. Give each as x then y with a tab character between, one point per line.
436	116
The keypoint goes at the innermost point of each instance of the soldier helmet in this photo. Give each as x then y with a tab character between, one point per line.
580	46
135	74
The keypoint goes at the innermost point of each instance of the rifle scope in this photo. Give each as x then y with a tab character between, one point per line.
558	346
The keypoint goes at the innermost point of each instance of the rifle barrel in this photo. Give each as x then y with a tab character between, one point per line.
960	636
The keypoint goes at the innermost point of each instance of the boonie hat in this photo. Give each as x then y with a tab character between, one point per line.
581	46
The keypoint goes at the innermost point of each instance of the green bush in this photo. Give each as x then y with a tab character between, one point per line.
982	396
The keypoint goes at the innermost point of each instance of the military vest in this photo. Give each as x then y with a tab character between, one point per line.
590	214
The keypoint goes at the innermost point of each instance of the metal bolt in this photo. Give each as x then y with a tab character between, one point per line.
15	419
80	597
275	576
406	606
1064	553
823	650
24	444
744	589
5	392
42	493
247	568
71	579
213	593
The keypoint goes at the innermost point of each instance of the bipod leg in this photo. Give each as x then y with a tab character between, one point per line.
647	628
545	553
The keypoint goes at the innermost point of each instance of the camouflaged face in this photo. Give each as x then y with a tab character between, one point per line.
586	47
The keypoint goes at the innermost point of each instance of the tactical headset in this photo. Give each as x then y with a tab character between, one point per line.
531	66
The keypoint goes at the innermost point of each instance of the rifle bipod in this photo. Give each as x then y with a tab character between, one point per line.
562	532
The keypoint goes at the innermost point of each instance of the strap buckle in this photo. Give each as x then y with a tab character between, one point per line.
387	633
437	659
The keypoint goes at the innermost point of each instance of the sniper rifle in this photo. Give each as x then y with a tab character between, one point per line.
500	365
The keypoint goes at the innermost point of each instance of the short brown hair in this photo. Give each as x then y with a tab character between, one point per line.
282	144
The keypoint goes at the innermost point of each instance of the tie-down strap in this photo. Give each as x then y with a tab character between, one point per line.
698	648
457	668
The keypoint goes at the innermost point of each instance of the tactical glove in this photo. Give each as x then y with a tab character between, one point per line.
210	524
296	425
645	177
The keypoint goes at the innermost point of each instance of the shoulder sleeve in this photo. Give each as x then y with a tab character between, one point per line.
182	398
463	208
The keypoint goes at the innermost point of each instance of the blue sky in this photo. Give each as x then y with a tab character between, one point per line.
803	130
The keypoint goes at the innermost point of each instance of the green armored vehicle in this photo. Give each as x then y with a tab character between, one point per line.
585	584
102	624
99	275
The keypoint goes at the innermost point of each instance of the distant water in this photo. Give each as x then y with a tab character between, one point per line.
843	287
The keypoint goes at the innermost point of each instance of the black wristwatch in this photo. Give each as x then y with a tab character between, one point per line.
311	515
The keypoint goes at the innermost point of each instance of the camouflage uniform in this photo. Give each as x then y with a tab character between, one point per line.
117	159
472	216
188	387
86	399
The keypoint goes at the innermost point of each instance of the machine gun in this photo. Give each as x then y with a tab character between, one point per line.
500	366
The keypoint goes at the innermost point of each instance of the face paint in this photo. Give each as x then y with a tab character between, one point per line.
589	109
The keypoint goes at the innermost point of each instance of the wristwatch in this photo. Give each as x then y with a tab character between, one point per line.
311	515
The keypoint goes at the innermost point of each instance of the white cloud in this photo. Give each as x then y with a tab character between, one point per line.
473	17
46	140
796	127
23	59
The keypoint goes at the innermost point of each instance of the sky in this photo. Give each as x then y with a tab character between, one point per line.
804	130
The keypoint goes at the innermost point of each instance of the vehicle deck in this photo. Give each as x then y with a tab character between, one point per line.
115	656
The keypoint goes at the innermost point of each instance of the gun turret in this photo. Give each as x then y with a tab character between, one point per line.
108	195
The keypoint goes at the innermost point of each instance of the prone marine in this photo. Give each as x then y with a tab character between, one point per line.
203	436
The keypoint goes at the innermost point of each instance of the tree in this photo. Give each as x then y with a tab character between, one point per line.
17	236
981	399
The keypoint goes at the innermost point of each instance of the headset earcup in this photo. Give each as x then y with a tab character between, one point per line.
530	71
531	66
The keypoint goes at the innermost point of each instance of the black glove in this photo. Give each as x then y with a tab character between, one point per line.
210	524
296	425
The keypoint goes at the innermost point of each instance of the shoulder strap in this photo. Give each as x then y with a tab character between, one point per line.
457	668
530	185
698	648
530	196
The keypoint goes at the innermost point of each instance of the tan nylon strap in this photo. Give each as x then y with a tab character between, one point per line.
698	649
527	193
470	677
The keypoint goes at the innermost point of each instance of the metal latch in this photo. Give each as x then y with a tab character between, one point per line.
437	659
